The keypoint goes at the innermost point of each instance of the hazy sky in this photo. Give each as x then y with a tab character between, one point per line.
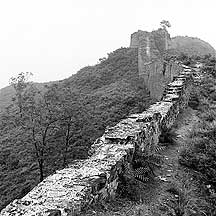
55	38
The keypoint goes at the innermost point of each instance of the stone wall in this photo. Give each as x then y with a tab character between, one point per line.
156	71
157	74
97	178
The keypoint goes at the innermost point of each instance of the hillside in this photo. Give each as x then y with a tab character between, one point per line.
88	75
191	46
99	96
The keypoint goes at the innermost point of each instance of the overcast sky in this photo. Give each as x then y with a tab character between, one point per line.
55	38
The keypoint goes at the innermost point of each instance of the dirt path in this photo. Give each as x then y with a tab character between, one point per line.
174	180
171	171
172	183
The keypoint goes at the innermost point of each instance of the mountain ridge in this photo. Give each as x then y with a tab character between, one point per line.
181	44
192	46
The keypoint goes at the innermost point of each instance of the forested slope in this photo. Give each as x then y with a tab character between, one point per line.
58	126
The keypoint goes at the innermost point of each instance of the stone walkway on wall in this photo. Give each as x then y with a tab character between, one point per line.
170	175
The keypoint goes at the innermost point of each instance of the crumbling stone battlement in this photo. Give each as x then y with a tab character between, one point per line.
96	179
153	67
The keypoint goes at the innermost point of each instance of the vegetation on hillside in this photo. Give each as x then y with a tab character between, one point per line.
191	46
44	130
200	155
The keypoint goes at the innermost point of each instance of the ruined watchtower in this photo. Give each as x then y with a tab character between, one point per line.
152	66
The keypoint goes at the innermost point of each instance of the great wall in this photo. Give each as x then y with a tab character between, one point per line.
97	178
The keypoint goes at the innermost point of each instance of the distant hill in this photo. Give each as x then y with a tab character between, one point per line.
191	46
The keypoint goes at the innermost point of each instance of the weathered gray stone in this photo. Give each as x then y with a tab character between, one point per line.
156	71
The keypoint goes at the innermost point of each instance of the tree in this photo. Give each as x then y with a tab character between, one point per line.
37	117
47	117
40	119
165	24
71	114
19	84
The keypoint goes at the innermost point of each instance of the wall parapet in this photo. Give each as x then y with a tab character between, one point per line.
96	179
154	65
